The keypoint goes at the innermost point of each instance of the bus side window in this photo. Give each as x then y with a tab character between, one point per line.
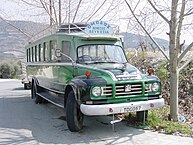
32	54
29	54
66	45
45	47
36	54
53	46
40	52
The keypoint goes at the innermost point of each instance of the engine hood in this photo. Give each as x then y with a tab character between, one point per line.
121	71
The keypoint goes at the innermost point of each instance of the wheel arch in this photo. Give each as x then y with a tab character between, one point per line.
77	86
68	89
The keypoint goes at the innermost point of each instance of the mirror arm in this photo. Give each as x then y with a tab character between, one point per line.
73	62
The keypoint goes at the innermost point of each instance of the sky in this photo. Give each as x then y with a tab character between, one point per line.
16	10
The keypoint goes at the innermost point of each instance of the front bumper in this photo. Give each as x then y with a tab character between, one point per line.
108	109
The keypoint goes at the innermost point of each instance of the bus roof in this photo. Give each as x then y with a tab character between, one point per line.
82	31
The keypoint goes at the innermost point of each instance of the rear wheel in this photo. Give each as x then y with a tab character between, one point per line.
25	86
141	116
38	99
74	116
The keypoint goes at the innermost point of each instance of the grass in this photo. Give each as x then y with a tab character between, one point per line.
158	121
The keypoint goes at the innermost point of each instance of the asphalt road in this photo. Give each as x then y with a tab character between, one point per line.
25	123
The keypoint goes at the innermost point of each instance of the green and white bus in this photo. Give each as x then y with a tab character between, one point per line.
83	69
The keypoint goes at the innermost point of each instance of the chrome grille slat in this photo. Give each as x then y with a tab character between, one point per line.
136	85
119	87
118	90
135	89
107	90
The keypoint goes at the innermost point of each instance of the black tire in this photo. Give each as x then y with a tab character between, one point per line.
74	116
25	86
141	116
38	99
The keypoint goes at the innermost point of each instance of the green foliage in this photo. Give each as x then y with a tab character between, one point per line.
10	69
158	119
162	72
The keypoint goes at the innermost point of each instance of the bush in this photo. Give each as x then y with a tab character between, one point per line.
9	69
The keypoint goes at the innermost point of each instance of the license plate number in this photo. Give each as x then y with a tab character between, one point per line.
132	109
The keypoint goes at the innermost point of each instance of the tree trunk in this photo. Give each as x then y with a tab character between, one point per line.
174	95
174	49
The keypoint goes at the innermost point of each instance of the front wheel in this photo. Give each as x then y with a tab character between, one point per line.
38	99
141	116
25	86
74	116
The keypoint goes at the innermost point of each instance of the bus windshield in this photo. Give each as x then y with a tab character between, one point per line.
101	54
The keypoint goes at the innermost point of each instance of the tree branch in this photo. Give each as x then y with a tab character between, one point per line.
78	6
185	64
185	52
55	13
189	12
25	33
45	7
146	31
161	15
28	3
97	10
181	17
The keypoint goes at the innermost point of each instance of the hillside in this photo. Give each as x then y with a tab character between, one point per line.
133	41
12	39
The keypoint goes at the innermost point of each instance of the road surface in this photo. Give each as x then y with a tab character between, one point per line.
25	123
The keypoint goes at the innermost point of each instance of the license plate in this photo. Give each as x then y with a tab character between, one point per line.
132	109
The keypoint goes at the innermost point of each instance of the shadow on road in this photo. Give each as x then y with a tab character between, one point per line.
18	89
23	121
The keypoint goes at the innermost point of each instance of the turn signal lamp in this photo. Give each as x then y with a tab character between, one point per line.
88	74
150	71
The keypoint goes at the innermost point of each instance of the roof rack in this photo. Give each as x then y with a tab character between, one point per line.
67	28
72	27
80	27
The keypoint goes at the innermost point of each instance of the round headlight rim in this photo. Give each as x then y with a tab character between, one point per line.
94	88
153	87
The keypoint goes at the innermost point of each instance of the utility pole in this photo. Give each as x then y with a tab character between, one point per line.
51	13
60	12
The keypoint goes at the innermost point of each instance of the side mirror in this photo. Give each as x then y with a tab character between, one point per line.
58	53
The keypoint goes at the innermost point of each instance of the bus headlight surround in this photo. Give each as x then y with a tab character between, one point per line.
155	87
96	91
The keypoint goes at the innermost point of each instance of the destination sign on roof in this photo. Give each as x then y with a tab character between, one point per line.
99	27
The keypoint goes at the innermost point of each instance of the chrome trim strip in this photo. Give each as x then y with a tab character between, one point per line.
70	64
49	64
50	100
54	91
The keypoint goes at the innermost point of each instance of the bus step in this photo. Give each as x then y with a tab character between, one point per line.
52	98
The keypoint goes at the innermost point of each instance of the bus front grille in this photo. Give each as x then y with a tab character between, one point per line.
135	89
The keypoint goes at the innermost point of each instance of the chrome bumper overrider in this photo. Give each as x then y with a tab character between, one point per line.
108	109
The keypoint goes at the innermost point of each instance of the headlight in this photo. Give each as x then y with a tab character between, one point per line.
148	87
155	87
96	91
